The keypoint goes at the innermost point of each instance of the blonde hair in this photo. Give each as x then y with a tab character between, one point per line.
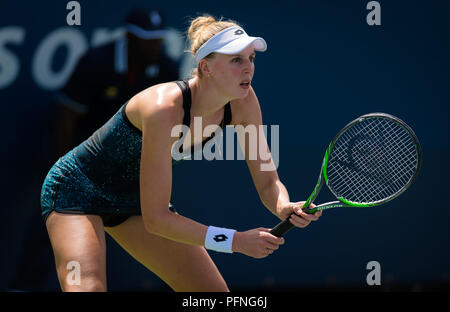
202	28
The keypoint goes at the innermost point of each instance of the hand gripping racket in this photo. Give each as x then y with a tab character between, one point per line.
371	161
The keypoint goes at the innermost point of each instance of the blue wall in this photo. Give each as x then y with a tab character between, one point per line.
324	67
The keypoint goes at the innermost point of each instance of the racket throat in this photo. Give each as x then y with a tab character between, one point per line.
333	204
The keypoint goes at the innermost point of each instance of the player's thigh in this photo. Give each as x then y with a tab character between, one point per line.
78	242
183	267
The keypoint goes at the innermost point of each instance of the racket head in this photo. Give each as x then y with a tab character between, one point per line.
372	160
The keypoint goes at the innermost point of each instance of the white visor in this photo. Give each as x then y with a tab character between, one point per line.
231	40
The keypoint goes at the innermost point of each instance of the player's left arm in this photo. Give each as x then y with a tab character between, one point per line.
271	191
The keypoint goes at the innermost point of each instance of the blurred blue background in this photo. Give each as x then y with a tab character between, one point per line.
324	67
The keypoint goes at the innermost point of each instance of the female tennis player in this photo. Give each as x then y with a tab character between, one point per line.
119	180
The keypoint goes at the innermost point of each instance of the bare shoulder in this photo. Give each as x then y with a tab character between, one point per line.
246	110
158	104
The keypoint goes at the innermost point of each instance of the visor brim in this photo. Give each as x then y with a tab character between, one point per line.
243	43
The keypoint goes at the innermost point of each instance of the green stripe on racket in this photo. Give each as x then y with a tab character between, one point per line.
371	161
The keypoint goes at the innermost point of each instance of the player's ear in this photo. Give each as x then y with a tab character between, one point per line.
205	69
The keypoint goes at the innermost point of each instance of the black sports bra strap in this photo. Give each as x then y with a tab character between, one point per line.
187	103
227	115
184	86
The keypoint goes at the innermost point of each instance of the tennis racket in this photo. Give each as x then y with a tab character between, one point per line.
371	161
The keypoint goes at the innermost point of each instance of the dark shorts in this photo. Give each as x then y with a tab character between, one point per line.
66	189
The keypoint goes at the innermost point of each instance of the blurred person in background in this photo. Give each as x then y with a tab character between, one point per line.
108	75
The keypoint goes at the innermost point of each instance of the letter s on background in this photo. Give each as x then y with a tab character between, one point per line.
9	63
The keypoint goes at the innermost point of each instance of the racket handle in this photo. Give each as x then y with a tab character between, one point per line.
281	228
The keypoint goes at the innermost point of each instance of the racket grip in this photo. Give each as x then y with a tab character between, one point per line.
281	228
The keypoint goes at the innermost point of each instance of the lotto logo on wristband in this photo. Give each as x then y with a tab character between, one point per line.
220	238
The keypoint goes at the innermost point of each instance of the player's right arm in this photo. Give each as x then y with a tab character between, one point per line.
160	109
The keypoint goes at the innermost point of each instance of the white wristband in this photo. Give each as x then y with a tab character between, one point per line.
219	239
